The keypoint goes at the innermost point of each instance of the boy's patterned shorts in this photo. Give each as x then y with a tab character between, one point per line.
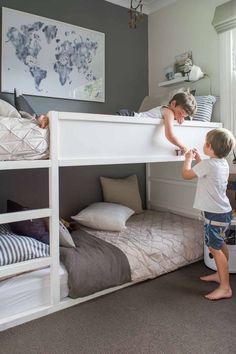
215	227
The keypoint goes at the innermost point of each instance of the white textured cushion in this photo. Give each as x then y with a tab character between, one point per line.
65	237
104	216
7	110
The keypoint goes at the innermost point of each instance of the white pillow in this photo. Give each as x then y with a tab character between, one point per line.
104	216
7	110
65	237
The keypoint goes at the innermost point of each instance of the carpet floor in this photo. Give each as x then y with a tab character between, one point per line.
167	315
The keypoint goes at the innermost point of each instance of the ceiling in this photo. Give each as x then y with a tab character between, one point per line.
149	6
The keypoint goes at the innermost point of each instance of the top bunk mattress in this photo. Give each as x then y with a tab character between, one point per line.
22	139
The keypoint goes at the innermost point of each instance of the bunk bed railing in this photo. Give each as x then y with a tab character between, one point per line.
98	139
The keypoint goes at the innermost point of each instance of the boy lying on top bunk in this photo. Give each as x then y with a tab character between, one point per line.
181	105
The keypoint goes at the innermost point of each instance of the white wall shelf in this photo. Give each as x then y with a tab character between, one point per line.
172	82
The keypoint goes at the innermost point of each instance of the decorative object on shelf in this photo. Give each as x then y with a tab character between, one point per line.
51	58
135	12
169	72
183	63
188	66
178	75
195	73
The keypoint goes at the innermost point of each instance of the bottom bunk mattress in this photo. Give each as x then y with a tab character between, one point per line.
23	139
156	242
29	290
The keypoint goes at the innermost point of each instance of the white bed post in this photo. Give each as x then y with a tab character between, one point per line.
148	185
54	206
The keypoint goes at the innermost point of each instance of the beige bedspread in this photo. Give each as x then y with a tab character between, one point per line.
157	242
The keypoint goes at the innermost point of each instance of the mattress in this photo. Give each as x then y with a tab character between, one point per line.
29	290
23	139
157	242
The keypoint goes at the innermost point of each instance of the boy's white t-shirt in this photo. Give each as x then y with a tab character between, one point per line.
211	186
152	113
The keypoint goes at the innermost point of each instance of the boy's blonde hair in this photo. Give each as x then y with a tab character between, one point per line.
221	140
186	100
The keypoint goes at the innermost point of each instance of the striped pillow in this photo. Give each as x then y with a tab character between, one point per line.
15	248
204	108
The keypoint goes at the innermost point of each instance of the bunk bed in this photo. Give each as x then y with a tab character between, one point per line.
71	135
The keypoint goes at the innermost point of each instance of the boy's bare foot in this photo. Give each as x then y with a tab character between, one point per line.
219	293
211	277
43	121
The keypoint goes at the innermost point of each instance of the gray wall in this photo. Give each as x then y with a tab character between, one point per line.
126	74
126	52
79	186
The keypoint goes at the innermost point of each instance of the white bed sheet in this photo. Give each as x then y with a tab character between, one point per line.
157	242
29	290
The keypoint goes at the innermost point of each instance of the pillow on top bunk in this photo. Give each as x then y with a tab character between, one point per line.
204	108
15	248
104	216
7	110
123	191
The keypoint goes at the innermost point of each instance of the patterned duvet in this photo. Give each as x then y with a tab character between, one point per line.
157	242
22	139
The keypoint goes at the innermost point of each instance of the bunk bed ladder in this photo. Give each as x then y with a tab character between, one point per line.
52	213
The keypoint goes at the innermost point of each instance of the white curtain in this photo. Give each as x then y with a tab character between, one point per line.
227	60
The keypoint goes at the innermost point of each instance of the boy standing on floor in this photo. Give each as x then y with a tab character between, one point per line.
211	199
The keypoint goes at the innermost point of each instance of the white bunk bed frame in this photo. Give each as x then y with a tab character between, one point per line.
79	139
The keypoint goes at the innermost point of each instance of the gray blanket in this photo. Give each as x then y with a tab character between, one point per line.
93	265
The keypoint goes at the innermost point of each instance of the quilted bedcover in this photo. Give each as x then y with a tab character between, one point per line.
23	139
157	242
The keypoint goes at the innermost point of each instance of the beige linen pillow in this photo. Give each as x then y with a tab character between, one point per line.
123	191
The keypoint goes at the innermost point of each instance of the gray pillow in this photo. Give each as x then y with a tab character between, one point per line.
22	104
35	228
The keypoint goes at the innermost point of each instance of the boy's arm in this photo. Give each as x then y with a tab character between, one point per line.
169	133
187	171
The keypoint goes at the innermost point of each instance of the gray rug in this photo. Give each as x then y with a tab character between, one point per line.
167	315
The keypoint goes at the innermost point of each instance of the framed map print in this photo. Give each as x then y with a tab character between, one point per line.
45	57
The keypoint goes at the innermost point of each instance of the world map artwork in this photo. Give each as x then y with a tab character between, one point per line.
48	58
